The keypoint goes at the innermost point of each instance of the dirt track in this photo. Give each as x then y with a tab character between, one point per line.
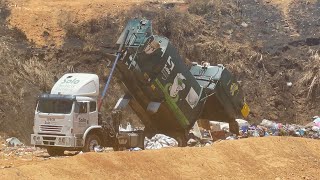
253	158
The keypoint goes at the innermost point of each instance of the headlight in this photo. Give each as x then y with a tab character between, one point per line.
34	138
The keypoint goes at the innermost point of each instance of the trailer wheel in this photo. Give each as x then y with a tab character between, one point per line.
92	140
54	151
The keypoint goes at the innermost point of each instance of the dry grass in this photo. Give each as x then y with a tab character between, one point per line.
20	74
38	73
311	77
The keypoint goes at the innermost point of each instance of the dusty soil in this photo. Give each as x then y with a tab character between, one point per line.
43	21
253	158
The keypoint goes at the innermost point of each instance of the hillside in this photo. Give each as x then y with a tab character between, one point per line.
265	43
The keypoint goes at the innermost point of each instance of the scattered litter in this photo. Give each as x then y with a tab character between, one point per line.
315	128
232	137
192	142
98	149
160	141
13	142
135	149
244	24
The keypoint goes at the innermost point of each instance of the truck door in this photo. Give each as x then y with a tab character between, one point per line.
81	119
93	113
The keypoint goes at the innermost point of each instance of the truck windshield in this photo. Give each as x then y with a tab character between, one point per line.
55	106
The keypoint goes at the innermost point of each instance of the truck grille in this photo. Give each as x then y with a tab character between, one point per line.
50	128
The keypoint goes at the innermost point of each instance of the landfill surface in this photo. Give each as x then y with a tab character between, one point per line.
252	158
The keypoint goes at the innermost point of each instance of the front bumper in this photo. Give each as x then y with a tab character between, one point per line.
53	140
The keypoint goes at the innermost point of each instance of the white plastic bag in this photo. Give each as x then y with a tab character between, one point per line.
160	141
267	123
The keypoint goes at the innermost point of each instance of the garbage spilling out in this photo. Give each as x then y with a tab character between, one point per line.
160	141
220	131
199	136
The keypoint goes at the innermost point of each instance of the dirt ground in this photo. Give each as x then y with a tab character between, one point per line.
253	158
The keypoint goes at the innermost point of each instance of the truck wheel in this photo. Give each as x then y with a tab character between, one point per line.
54	151
92	140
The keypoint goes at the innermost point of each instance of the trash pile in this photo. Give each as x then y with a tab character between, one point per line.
220	131
11	149
271	128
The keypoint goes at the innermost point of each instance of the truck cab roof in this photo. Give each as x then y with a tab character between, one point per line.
77	84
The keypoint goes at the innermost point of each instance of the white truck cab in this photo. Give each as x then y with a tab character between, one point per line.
64	118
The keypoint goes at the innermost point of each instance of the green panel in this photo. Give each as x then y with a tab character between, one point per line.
173	106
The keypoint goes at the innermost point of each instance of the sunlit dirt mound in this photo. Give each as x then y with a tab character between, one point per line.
253	158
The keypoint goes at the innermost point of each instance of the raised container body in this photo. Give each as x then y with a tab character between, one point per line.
161	76
153	71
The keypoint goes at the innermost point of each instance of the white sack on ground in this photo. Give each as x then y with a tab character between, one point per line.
160	141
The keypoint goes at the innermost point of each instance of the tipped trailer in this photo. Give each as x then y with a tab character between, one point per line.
166	94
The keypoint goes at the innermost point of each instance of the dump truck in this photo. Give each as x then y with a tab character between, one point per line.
166	94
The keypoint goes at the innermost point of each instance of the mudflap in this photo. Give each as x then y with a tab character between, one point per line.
182	140
181	137
110	128
234	127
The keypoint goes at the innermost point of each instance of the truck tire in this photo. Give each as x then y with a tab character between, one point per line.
92	140
55	151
